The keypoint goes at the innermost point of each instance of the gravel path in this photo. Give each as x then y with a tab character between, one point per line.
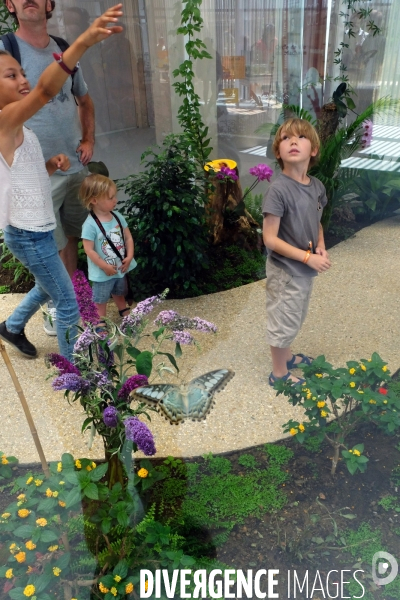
354	311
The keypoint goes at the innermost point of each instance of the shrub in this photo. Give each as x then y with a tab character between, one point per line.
165	212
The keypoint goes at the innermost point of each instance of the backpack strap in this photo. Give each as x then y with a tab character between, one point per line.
103	231
61	43
11	45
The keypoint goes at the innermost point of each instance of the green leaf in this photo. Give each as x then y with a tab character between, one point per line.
63	561
91	491
144	363
67	460
121	569
349	516
171	359
178	350
73	497
132	351
99	472
43	581
106	525
122	518
24	531
47	505
48	535
17	594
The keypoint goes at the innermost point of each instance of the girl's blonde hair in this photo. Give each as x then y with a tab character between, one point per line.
297	127
94	186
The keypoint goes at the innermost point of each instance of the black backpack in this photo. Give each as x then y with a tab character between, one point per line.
11	45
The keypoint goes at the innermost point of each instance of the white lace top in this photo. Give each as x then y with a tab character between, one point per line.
25	191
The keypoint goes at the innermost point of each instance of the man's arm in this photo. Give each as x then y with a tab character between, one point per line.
86	117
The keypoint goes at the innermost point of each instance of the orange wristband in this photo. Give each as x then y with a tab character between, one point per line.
307	256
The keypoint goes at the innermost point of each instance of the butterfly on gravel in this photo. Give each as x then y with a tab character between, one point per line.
192	400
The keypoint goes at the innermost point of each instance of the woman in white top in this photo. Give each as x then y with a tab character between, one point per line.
26	209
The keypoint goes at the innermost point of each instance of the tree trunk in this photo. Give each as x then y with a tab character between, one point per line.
227	217
328	121
116	471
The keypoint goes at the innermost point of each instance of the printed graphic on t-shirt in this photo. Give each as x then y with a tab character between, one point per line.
115	235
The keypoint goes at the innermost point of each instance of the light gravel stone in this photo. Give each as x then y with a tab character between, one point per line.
354	311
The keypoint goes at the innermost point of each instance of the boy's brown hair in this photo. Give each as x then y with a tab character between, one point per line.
94	186
297	127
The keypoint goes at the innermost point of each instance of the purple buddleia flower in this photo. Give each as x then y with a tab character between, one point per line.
105	358
101	380
225	173
135	318
110	416
165	317
203	326
83	342
62	364
140	434
182	337
71	382
262	172
367	126
84	297
131	384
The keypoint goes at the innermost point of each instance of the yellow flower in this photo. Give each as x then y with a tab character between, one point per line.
321	404
30	545
385	402
12	547
62	482
117	578
9	574
29	480
318	375
129	588
360	392
352	384
309	395
351	451
56	571
4	460
363	367
29	590
29	570
301	427
94	465
5	515
62	504
293	431
352	371
88	468
38	482
78	464
324	413
143	473
113	591
314	398
384	369
49	493
357	452
41	522
23	513
55	494
59	467
20	557
52	548
103	588
21	497
372	402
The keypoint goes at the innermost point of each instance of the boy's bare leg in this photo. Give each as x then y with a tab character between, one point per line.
280	356
69	255
102	309
120	302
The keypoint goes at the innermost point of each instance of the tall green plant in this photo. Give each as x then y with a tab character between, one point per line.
165	212
189	112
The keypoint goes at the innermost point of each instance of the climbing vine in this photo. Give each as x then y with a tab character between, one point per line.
189	115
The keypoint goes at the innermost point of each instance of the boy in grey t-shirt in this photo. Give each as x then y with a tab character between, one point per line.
294	237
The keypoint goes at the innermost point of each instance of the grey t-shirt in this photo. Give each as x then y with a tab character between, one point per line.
56	124
300	208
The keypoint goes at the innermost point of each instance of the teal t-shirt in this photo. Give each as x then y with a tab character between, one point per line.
91	231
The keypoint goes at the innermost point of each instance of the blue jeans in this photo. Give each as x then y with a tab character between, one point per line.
38	252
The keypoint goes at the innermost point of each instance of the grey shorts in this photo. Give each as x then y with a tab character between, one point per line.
102	290
68	209
288	297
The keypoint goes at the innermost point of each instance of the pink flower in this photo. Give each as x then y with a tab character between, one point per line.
262	172
367	126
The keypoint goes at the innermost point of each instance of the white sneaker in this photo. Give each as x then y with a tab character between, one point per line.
50	317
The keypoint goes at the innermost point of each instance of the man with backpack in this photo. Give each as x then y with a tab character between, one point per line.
66	123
